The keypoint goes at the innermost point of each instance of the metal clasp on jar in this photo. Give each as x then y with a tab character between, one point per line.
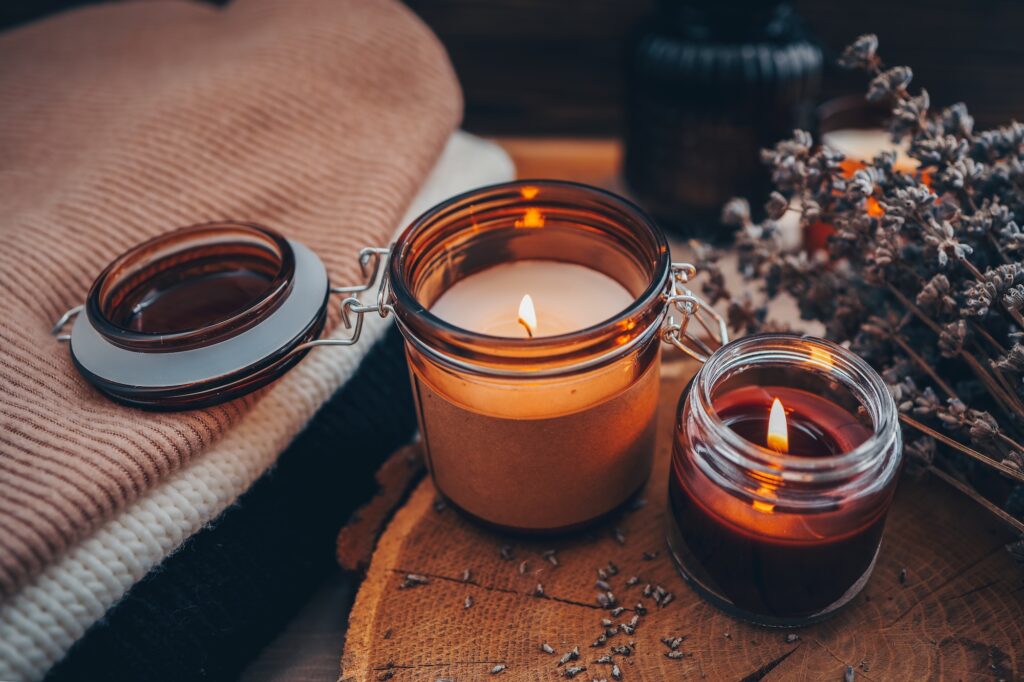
684	306
373	261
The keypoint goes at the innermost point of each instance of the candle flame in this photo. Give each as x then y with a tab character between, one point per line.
528	315
778	430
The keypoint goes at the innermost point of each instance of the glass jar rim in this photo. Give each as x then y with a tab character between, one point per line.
417	321
232	324
843	365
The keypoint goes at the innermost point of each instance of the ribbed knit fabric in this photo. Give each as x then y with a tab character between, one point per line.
317	117
55	608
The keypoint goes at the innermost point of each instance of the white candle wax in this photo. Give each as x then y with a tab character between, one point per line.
864	144
567	297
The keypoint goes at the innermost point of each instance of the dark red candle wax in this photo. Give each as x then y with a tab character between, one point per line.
816	426
780	563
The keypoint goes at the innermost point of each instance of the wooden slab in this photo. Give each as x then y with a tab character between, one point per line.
959	614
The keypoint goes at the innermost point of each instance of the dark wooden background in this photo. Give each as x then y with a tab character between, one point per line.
556	66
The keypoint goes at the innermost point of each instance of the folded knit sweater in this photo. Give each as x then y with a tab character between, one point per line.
319	118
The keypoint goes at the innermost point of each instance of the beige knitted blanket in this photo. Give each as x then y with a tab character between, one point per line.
316	117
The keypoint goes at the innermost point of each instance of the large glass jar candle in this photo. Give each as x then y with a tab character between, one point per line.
532	312
785	462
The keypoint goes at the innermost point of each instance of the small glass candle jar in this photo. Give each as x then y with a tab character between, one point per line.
545	433
777	514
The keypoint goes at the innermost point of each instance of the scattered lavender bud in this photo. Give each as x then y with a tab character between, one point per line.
523	567
546	648
672	642
849	675
605	660
619	536
633	580
674	654
500	668
617	611
466	576
570	656
538	591
469	602
605	622
791	637
414	580
549	556
616	673
640	608
574	671
505	553
612	568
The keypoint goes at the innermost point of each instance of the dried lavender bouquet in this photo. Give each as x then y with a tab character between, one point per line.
923	278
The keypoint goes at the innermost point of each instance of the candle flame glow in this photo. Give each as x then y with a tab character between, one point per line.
528	315
778	430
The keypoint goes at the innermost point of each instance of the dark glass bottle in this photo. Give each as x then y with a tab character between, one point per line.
710	85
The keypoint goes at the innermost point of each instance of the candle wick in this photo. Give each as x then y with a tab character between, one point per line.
529	332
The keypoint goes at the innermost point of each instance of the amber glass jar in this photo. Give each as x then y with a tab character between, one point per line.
541	434
199	315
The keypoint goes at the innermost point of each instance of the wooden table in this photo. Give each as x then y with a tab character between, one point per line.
957	612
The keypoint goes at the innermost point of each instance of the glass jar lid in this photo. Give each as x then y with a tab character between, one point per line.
200	315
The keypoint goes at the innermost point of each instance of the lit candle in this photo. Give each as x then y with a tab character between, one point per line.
783	469
563	297
536	380
860	145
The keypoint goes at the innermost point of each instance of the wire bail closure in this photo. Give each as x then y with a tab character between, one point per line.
372	261
682	301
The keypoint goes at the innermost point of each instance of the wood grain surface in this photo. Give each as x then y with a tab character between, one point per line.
958	614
